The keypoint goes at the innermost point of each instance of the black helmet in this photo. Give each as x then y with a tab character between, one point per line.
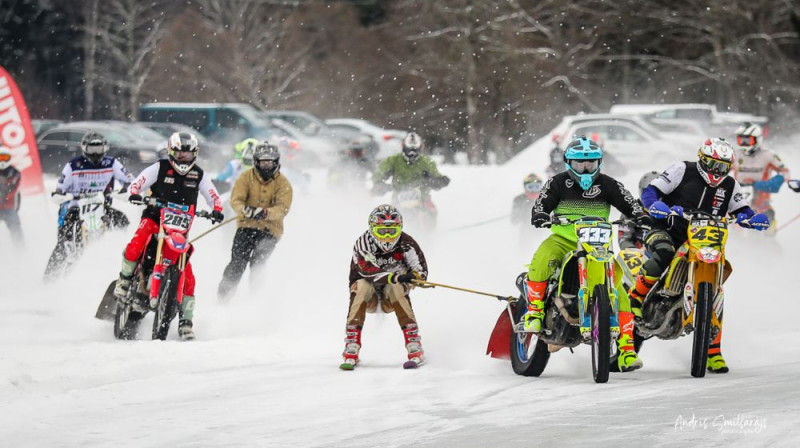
94	147
412	147
183	148
266	160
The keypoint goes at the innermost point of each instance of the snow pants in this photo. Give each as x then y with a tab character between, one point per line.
250	246
365	298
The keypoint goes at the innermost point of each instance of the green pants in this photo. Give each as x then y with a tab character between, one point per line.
548	257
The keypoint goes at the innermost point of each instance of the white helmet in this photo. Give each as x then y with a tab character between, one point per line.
5	158
748	138
412	147
715	160
183	149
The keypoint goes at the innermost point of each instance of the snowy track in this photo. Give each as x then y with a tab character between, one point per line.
263	371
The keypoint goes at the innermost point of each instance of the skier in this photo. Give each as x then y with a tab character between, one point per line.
413	175
91	172
261	198
242	160
10	178
703	185
177	180
630	236
385	261
521	206
760	168
579	191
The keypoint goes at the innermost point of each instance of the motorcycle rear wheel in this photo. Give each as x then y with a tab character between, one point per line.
601	334
702	329
167	302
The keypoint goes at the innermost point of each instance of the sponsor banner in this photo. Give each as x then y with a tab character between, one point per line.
16	134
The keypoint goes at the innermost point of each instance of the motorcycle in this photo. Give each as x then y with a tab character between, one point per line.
159	275
417	209
580	305
688	297
85	222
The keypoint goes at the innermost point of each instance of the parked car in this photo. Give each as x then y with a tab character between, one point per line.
212	154
220	122
390	141
716	123
61	143
39	126
326	145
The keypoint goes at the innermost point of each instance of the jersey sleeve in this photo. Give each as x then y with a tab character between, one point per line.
669	180
283	201
623	200
738	200
415	258
548	198
145	180
210	193
121	174
65	181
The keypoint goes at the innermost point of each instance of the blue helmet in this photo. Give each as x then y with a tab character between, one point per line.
583	158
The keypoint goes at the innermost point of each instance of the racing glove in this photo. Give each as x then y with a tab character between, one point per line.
136	199
794	184
540	219
59	197
677	209
659	210
254	212
759	221
644	220
217	216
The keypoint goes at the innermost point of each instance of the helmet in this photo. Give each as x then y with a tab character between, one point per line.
247	156
240	147
357	149
583	158
748	138
266	160
5	158
646	179
715	159
183	148
412	147
532	185
385	226
94	147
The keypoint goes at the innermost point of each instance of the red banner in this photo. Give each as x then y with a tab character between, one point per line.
16	134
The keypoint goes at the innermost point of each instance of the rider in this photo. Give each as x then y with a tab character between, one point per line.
410	169
521	206
759	167
703	185
630	236
174	181
581	190
242	160
10	178
91	172
385	261
261	197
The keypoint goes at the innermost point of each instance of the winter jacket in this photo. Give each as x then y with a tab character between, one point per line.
274	196
370	262
9	188
422	173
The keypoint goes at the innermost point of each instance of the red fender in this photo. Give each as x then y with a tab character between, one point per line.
499	341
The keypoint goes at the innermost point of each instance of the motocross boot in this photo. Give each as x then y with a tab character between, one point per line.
638	292
352	346
535	315
716	364
125	278
628	360
185	331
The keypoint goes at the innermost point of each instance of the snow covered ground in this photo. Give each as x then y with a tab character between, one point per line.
264	369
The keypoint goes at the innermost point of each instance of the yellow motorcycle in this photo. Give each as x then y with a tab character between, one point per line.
688	297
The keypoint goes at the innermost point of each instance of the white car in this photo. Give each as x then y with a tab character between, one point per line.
390	141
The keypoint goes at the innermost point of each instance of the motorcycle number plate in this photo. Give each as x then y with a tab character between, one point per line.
594	235
176	221
91	209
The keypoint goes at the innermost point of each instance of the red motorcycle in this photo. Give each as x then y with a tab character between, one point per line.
159	275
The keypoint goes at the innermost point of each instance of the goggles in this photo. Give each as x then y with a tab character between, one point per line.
266	164
5	157
714	166
533	187
95	148
584	166
745	140
387	232
182	156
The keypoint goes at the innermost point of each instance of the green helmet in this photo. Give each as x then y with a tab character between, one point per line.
242	145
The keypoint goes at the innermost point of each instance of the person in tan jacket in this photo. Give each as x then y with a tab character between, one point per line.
261	198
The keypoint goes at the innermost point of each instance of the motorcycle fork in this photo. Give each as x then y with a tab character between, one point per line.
158	268
699	273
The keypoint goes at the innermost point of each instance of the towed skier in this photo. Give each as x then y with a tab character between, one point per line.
10	179
384	264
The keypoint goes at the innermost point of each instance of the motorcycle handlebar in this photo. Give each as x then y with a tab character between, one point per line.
153	202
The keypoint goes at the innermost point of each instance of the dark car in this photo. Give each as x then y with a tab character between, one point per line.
212	154
135	147
42	125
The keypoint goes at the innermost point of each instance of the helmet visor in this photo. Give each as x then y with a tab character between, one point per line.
265	164
714	166
5	157
533	187
584	166
386	232
183	156
745	140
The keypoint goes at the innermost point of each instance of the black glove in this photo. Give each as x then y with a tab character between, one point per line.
404	278
539	219
217	216
254	212
644	220
440	182
136	199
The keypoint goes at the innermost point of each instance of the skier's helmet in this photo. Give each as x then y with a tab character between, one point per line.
715	159
183	149
239	148
412	147
5	158
533	185
266	160
247	156
385	226
748	138
357	148
94	147
583	158
644	182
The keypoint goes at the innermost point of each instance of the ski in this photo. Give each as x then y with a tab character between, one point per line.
347	365
412	364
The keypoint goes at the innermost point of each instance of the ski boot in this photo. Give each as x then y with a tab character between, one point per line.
185	331
352	347
416	356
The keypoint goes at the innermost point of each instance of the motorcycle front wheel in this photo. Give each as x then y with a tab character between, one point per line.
167	305
529	354
702	329
601	334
